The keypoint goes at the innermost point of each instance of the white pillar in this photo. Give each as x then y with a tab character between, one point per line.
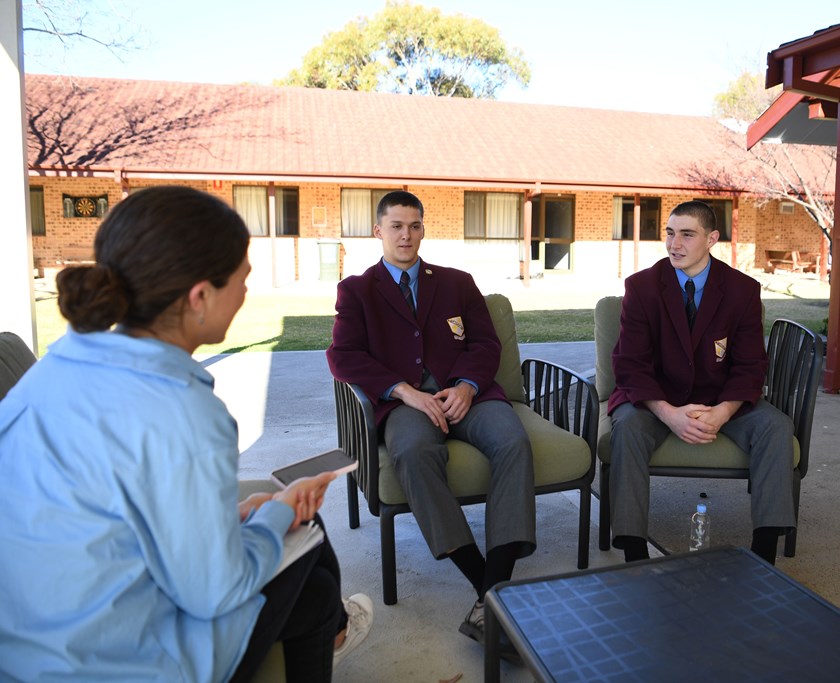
17	293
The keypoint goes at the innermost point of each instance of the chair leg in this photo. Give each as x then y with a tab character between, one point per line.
387	543
604	509
790	539
583	527
352	502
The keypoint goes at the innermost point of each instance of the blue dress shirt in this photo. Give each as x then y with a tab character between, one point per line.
699	283
123	555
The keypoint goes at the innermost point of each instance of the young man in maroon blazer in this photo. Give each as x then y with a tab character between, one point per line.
690	359
419	340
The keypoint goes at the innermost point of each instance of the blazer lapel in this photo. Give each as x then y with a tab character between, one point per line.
426	287
672	297
712	296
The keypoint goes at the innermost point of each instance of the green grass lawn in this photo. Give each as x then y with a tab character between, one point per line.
270	323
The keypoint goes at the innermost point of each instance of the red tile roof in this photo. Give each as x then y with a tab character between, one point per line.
166	127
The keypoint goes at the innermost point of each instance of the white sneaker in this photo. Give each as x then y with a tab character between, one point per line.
359	610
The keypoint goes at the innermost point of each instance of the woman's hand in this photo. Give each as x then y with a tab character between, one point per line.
305	496
252	502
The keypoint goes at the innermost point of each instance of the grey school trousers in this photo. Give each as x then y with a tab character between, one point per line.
417	449
764	433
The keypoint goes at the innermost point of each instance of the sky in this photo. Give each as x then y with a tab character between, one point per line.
661	56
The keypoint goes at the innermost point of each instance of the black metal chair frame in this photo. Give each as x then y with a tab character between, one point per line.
556	393
795	356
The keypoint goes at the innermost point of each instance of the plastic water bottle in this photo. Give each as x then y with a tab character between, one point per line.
699	538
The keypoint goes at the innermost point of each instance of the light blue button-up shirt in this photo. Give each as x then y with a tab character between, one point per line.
123	556
699	283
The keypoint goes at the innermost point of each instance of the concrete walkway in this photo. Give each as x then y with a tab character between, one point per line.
284	405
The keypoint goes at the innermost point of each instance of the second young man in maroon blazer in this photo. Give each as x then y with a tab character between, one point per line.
695	373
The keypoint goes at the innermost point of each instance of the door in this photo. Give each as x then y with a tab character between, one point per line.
552	240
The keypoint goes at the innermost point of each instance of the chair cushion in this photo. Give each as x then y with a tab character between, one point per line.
509	375
607	325
559	456
675	452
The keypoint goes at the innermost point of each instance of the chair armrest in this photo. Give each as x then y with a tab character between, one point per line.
564	397
358	437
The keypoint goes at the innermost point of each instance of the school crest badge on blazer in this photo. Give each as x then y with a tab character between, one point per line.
720	349
457	327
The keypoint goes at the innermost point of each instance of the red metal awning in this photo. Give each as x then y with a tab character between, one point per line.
806	113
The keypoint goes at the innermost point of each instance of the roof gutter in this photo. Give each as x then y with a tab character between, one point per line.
517	185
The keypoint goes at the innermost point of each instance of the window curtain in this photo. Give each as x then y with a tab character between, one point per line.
251	202
356	213
474	215
36	207
618	214
502	215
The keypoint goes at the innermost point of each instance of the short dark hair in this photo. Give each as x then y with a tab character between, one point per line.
150	250
398	198
702	212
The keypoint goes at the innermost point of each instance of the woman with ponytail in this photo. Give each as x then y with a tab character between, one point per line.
125	553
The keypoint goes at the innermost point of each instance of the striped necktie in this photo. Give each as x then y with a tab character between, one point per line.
405	278
690	307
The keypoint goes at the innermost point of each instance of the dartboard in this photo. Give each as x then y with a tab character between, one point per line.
85	206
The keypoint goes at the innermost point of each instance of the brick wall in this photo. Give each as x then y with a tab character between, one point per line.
760	228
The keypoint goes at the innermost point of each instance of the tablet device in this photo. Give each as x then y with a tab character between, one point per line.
335	460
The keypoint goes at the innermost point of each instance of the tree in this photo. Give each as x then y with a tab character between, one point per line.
770	171
746	98
76	23
412	49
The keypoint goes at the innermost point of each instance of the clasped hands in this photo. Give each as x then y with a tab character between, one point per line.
305	496
448	406
695	422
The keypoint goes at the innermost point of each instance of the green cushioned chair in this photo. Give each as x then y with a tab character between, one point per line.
796	357
558	408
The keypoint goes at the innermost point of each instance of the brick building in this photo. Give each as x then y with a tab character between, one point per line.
510	189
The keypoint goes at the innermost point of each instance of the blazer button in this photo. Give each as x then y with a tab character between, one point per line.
417	385
416	333
418	361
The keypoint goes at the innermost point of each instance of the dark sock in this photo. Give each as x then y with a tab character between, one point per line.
635	548
764	542
500	561
469	560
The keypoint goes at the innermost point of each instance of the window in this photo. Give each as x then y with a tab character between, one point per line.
723	216
286	211
492	215
251	202
623	218
358	211
36	211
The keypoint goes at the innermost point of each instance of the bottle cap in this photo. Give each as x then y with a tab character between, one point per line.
701	508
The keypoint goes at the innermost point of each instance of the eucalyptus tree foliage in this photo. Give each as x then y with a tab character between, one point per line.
746	98
412	49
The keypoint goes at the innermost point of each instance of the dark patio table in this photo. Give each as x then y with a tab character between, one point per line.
712	616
